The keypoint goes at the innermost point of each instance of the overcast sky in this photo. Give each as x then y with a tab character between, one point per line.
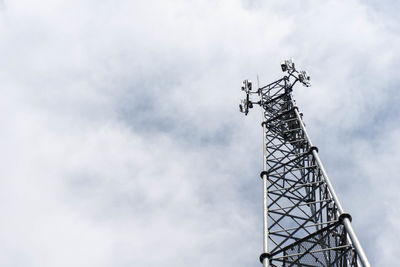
121	140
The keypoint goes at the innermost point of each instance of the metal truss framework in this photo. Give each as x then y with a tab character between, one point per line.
304	222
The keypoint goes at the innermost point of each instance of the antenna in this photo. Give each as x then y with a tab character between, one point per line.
304	221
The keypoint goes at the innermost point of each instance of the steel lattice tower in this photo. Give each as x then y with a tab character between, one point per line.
304	222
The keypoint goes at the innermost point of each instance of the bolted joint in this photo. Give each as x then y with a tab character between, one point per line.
264	256
344	216
263	173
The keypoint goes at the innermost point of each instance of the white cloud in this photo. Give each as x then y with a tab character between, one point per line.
122	145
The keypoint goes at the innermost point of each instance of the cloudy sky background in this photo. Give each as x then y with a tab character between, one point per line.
121	141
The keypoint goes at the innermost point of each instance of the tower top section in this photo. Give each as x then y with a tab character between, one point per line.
292	77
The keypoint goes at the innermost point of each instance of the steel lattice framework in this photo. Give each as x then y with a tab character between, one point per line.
304	222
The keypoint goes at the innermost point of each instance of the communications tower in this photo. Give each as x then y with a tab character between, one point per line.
304	222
